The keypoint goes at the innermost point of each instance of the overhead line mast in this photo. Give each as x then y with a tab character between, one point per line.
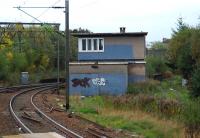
67	51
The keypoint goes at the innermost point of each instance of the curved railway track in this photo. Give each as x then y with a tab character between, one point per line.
30	118
19	87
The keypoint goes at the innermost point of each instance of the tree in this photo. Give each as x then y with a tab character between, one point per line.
4	65
155	65
157	49
180	49
80	30
195	82
33	49
5	40
185	61
26	49
19	62
184	53
195	44
180	26
73	48
157	45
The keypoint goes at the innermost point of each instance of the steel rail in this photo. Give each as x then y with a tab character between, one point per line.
2	89
22	125
53	121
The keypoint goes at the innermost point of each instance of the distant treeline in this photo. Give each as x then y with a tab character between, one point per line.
33	49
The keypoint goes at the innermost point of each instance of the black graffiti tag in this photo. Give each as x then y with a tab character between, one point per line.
82	82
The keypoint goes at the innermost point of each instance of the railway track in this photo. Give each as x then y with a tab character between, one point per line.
19	87
30	118
85	127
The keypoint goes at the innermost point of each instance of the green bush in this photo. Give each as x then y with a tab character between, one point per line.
19	62
169	107
86	110
149	103
191	117
13	78
143	87
185	62
155	65
4	67
195	82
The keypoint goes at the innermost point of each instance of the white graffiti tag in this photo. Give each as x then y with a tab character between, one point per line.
99	81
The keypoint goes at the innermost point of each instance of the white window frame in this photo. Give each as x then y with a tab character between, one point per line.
80	43
92	43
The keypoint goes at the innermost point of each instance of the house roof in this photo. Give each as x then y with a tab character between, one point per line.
131	34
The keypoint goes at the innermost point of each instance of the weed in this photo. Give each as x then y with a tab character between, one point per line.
120	116
191	118
88	110
143	87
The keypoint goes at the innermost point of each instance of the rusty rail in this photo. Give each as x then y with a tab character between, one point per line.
57	125
17	119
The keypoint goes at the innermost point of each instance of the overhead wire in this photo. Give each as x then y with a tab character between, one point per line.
23	3
37	18
29	15
47	9
89	4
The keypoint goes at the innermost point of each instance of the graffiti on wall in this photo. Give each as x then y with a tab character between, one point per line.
81	82
99	81
85	82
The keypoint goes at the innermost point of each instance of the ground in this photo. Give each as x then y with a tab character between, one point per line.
97	109
7	125
52	105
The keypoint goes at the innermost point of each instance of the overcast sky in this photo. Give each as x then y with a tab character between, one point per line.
157	17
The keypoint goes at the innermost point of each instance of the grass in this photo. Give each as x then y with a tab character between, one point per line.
101	110
164	98
169	88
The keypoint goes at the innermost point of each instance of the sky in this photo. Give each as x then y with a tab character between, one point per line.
157	17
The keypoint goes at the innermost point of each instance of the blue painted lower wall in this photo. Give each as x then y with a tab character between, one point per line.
98	84
135	78
111	52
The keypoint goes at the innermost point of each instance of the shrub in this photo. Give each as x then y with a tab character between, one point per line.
195	82
19	62
13	78
149	103
4	67
191	118
167	74
143	87
169	107
155	65
88	110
